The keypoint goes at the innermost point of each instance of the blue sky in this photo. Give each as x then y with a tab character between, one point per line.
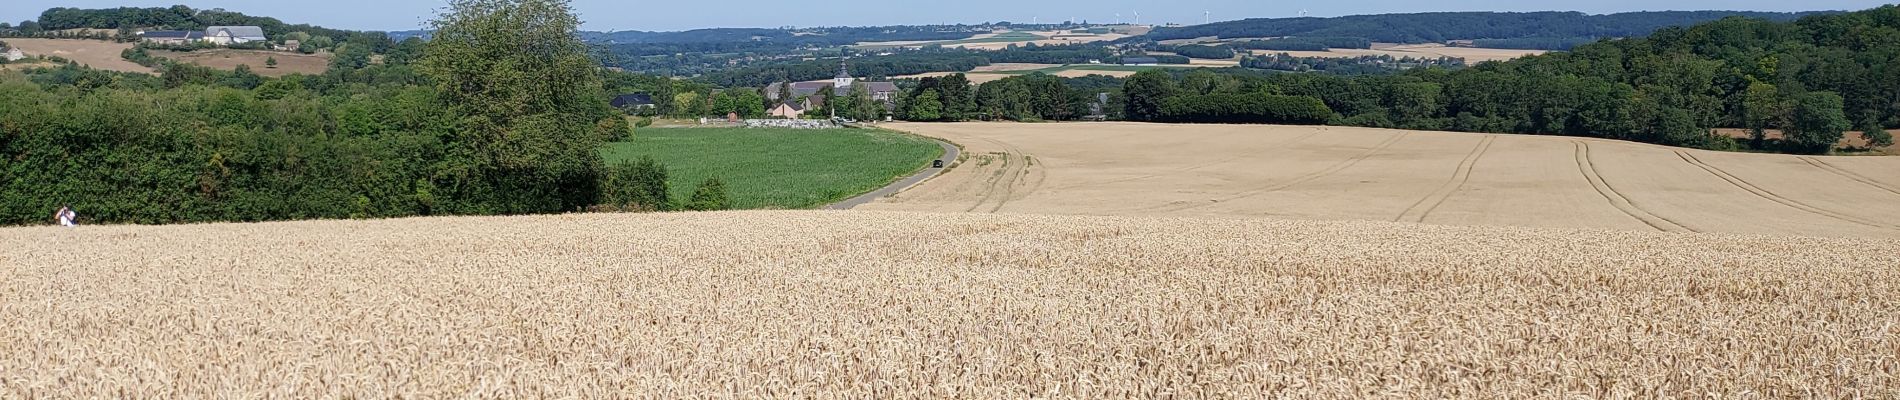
679	15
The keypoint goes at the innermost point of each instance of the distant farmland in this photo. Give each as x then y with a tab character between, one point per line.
95	53
228	59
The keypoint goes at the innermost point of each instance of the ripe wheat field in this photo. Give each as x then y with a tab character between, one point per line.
857	304
1446	178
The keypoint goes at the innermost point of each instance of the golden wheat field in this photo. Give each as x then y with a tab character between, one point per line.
1450	178
859	304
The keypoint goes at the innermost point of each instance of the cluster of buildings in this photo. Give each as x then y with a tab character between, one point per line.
804	96
808	95
219	35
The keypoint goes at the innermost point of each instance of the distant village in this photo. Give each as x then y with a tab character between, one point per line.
215	35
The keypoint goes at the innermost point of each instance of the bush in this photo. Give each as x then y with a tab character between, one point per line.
710	196
635	186
1876	137
643	122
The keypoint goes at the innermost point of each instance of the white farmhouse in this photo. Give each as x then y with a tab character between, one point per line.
234	34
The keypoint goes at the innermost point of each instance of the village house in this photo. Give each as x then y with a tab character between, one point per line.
788	110
807	95
226	35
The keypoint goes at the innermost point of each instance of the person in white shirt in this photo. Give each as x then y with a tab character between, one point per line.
66	216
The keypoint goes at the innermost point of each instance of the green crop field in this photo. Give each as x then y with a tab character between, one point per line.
766	168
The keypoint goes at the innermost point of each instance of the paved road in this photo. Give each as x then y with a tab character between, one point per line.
950	153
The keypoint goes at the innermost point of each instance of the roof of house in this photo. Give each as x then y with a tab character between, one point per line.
632	99
173	34
236	31
810	89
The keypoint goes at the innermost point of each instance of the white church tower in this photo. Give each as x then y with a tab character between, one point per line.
844	78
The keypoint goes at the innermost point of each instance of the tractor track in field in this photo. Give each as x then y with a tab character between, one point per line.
1622	203
1758	191
1844	173
1002	186
1459	178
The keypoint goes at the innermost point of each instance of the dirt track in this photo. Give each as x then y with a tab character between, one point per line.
1444	178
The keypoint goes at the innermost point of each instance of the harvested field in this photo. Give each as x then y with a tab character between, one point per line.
227	59
898	305
1470	54
95	53
1339	173
1001	40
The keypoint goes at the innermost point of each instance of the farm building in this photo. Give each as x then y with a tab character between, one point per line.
1140	61
172	37
234	34
789	110
632	101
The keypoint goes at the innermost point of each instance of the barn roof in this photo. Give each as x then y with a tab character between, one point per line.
172	34
236	31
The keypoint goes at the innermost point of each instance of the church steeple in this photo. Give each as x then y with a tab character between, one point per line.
844	78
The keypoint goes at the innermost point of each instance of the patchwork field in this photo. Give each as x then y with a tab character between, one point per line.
95	53
1337	173
1470	54
227	59
985	74
853	304
1001	40
779	168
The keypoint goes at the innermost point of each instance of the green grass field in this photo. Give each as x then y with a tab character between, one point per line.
779	168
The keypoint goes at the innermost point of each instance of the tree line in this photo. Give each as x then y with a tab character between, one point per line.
1814	79
1444	26
503	113
126	19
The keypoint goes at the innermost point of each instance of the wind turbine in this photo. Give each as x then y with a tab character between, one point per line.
1118	18
1206	17
1303	13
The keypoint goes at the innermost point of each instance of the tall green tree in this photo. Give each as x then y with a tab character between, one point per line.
1144	93
1816	123
1762	107
532	114
958	98
926	107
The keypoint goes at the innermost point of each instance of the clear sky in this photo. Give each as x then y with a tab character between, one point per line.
680	15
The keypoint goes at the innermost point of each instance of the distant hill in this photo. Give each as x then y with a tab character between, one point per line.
180	17
1445	26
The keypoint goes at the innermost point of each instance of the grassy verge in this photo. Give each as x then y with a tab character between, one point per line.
779	168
